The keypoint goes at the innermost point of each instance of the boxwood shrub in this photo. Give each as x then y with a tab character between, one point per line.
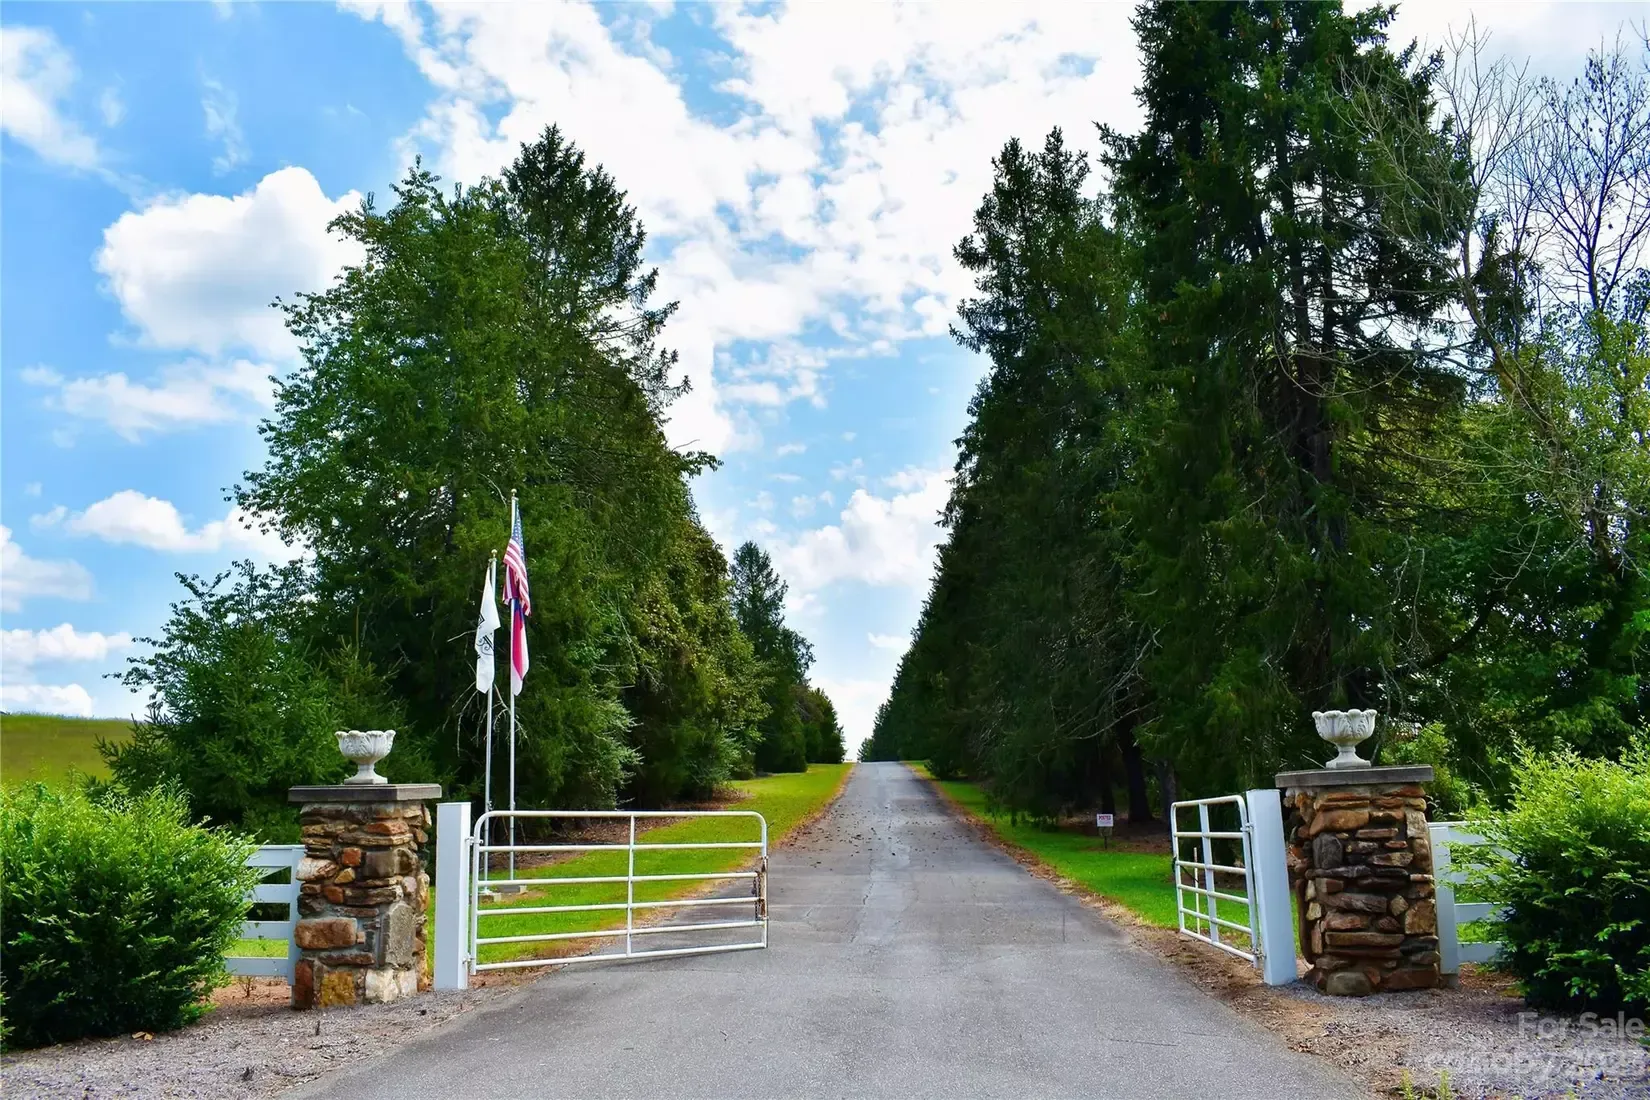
115	912
1575	880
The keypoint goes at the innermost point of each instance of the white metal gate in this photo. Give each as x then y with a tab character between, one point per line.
463	876
1267	928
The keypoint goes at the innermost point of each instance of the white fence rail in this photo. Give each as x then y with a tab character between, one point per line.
272	858
1265	936
1453	914
462	878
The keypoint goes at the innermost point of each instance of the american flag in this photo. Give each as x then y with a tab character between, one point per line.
516	595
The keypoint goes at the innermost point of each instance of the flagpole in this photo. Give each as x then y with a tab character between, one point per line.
487	798
513	605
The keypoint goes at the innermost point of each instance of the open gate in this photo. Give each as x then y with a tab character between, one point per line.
477	910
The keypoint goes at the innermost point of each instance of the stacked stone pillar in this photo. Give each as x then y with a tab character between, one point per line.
1360	862
363	892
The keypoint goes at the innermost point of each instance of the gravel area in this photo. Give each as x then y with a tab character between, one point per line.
246	1047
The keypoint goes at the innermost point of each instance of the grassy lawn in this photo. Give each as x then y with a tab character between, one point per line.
784	800
46	747
1141	882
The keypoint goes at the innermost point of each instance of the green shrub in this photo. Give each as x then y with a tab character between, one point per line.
1575	880
115	911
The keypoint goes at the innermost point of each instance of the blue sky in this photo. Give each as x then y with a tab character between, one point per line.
168	169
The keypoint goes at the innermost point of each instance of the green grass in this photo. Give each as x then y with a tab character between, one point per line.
784	800
48	748
1141	882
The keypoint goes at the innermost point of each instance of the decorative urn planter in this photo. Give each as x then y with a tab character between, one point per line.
1345	729
366	748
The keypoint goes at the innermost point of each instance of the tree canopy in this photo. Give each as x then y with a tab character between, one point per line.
495	338
1318	402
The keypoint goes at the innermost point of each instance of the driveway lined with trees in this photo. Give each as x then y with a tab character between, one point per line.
908	959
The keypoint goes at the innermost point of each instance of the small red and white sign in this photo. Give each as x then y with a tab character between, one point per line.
1102	821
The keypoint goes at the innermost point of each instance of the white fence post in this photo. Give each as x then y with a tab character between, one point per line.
452	895
1271	871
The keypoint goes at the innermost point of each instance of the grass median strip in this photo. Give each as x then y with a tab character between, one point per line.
786	801
1141	882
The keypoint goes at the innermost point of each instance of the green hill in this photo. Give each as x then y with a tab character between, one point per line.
49	747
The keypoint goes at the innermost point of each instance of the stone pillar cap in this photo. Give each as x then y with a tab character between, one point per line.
366	792
1356	777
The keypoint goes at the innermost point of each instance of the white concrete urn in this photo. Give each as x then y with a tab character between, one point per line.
1345	729
366	748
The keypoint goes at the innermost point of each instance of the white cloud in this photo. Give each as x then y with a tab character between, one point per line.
111	107
220	107
183	396
198	272
856	701
32	489
888	641
36	76
790	449
131	518
802	506
790	217
26	648
71	699
878	540
23	578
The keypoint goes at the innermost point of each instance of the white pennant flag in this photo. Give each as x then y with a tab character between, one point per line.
485	625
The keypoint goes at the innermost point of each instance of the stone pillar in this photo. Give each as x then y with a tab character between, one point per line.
1360	863
363	892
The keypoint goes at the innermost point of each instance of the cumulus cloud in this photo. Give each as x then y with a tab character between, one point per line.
61	643
790	449
23	578
36	75
888	641
133	519
876	540
197	272
185	395
70	699
862	145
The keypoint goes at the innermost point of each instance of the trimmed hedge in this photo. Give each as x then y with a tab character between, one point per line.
1575	880
115	912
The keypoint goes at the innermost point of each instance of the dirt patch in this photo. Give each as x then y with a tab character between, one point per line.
1478	1034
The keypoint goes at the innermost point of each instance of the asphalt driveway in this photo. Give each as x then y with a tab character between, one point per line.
908	959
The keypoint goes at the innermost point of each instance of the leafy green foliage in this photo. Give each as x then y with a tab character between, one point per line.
782	655
117	912
1573	874
1271	425
495	338
246	706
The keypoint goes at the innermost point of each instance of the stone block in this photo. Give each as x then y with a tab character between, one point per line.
344	877
1340	821
1422	918
1363	939
303	984
386	984
322	933
350	857
309	869
1345	922
371	895
337	989
1393	859
1410	979
398	941
1388	924
1359	903
1376	834
1347	983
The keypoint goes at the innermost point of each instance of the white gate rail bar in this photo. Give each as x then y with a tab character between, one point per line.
479	850
1206	921
1270	926
1453	914
271	858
